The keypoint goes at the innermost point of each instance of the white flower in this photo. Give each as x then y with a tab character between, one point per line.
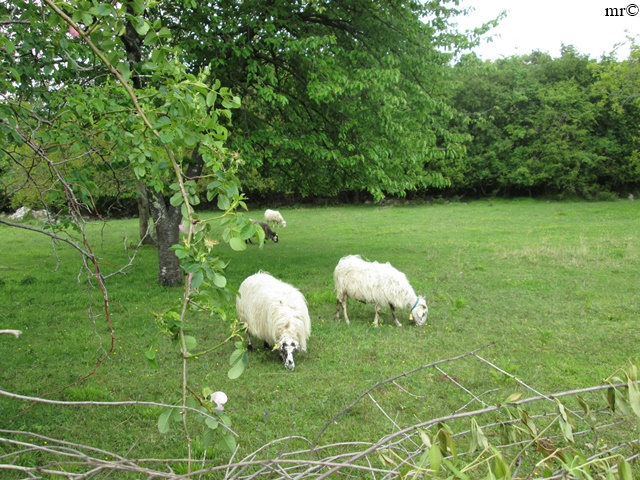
220	398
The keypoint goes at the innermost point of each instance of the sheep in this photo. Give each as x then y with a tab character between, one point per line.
273	216
276	313
373	282
268	233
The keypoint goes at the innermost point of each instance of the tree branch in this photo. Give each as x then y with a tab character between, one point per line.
75	245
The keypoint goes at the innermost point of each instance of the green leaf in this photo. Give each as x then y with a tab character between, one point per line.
163	420
141	26
229	441
238	367
478	438
124	70
236	355
176	200
611	398
211	98
190	267
197	279
207	437
162	122
624	470
248	231
223	202
164	33
237	244
456	472
181	251
212	423
190	342
9	46
219	280
435	458
140	171
500	465
513	397
150	357
137	6
526	419
634	397
425	438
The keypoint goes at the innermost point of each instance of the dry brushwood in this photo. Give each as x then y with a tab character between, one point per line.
420	449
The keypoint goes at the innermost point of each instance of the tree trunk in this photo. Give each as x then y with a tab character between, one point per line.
147	232
167	220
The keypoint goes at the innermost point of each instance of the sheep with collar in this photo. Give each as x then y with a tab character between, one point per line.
273	216
276	313
378	283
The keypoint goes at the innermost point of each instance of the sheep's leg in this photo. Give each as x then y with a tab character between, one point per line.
344	307
375	320
395	319
342	300
249	344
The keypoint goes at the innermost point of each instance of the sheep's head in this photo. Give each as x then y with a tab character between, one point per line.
287	347
419	312
274	237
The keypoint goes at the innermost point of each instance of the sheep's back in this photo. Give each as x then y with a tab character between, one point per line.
371	282
273	216
272	308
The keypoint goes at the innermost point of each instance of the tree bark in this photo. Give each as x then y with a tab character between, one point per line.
147	232
167	220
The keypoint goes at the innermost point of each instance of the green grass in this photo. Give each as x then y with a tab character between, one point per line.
554	285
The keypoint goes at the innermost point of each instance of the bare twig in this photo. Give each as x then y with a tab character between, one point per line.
390	380
111	404
51	234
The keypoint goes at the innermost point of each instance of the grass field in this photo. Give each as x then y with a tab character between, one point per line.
551	290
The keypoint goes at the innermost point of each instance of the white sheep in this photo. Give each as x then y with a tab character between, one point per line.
379	283
276	313
273	216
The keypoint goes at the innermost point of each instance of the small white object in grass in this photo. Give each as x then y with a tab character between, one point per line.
15	333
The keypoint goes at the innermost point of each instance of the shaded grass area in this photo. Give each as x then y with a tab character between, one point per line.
554	285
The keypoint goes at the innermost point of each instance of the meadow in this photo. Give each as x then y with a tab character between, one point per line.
547	291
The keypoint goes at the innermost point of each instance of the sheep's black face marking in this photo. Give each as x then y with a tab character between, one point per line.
275	238
287	347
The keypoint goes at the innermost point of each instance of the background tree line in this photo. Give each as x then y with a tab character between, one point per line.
322	119
565	126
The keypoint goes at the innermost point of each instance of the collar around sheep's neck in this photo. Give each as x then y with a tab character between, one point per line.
415	304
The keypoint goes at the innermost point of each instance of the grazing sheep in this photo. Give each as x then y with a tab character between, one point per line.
268	233
276	313
273	216
379	283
